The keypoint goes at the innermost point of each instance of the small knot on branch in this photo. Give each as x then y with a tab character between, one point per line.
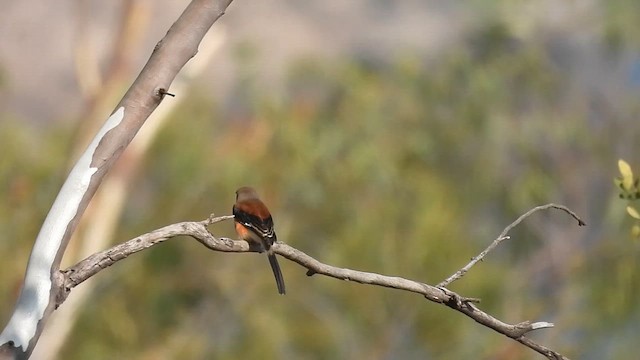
311	272
457	301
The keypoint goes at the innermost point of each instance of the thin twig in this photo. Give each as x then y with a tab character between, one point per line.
503	236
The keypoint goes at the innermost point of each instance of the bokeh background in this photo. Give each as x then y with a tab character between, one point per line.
393	137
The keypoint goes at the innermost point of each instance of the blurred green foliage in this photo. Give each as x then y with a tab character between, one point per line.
406	168
627	184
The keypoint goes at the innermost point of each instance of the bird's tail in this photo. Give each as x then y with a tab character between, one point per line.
276	272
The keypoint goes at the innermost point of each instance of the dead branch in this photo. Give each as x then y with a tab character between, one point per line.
503	236
78	273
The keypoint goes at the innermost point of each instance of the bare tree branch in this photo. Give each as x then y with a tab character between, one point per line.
90	266
503	236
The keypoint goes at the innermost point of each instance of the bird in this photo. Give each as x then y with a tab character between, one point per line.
254	224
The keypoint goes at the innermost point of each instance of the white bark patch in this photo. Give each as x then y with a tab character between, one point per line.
36	291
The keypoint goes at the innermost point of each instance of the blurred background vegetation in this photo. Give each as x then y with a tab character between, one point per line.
406	165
